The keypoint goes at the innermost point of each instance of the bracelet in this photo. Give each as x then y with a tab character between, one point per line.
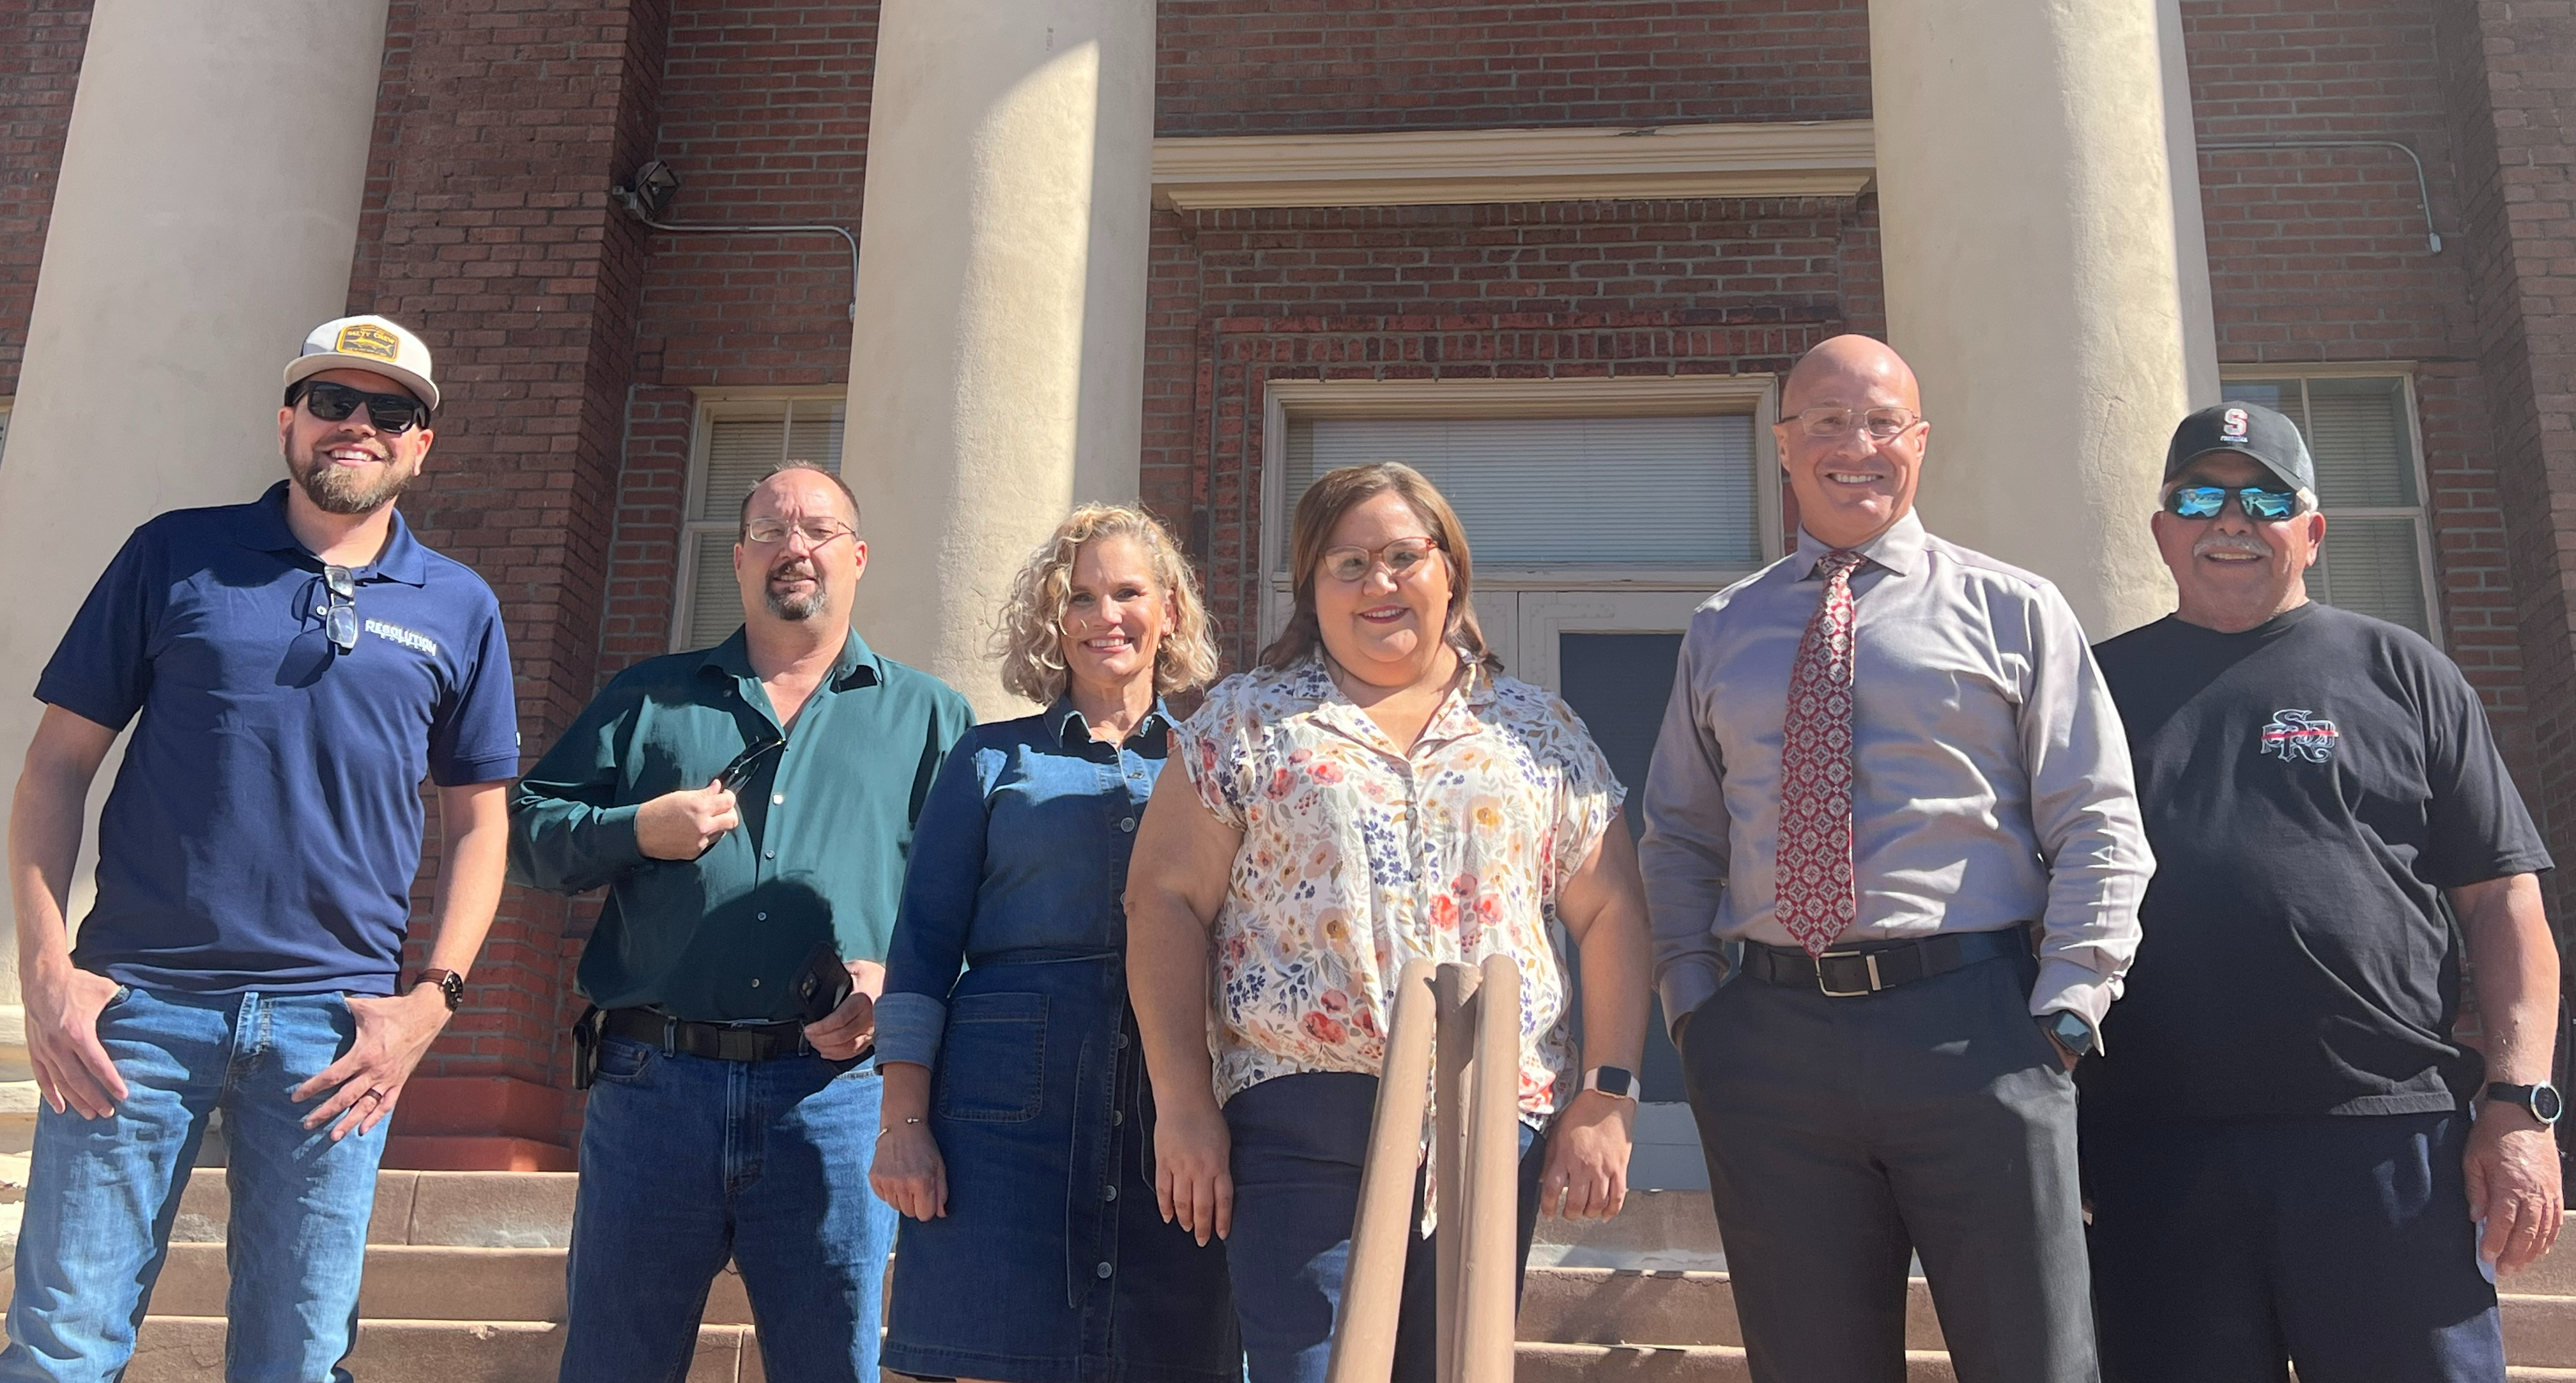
908	1119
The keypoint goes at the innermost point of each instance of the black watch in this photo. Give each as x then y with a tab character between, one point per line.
2541	1100
2070	1030
451	986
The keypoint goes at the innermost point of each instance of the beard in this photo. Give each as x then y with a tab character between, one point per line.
335	490
796	608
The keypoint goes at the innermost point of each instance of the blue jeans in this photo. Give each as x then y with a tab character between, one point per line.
688	1161
1299	1142
102	1193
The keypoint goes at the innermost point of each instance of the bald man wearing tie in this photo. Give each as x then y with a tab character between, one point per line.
1893	858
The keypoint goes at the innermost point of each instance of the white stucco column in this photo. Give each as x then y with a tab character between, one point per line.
2035	279
204	222
997	369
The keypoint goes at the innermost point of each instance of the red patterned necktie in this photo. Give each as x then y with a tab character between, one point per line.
1813	873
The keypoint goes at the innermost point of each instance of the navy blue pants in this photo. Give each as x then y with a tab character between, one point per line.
1299	1142
2222	1252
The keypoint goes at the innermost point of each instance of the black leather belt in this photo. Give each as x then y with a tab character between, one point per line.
717	1041
1848	972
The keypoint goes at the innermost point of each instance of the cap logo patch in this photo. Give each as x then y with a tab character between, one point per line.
365	338
2233	423
2296	735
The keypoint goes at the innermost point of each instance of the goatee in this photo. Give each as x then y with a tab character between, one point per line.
796	607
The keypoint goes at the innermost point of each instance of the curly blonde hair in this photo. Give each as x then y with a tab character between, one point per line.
1029	635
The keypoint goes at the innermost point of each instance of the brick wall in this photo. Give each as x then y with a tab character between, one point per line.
2505	74
40	54
2319	254
488	227
1565	289
1301	66
764	115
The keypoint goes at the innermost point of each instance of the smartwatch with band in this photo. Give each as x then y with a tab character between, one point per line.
1616	1081
2070	1030
2540	1100
451	986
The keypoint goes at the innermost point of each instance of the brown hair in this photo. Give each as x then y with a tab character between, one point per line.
1320	511
1029	635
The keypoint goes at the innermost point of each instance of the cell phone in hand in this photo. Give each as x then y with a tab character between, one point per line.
822	985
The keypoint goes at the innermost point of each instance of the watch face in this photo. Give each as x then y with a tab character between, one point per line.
2546	1106
2073	1031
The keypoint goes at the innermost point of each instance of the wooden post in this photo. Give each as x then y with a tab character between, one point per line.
1488	1290
1455	986
1373	1283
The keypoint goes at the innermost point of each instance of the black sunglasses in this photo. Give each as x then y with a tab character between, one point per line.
747	763
395	413
340	617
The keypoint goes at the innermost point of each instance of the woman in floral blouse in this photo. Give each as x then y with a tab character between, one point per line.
1374	793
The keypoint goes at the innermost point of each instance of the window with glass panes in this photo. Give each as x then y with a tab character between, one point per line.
2377	557
737	442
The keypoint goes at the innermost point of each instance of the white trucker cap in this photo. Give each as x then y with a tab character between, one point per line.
367	343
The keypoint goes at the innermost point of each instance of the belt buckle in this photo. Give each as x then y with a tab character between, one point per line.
1867	958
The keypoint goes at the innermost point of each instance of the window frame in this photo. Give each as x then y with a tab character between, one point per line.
708	406
2420	514
1304	400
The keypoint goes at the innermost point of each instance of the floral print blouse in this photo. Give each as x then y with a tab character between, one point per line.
1357	858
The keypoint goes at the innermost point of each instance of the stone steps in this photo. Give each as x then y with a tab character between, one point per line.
465	1284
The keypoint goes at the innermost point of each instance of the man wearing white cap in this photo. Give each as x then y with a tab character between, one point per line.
293	668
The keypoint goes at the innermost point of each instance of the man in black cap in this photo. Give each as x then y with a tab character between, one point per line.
2291	1154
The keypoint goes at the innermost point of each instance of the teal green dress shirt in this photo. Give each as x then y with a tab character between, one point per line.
826	825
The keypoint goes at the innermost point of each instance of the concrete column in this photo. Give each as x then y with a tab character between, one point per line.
2030	239
997	370
2191	235
205	220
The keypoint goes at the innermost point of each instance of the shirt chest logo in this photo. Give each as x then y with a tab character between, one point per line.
2296	736
411	639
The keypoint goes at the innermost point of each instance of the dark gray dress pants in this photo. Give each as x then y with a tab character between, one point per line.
1842	1134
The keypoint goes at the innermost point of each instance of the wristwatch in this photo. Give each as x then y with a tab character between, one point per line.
2541	1100
451	986
1614	1081
2070	1030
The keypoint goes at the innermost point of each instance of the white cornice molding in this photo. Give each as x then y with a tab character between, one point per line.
1816	158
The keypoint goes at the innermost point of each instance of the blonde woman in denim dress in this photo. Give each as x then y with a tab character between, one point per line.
1017	1118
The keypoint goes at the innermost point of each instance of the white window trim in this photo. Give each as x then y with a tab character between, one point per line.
707	406
1756	395
2403	371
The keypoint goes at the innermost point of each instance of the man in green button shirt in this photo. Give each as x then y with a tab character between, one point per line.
748	808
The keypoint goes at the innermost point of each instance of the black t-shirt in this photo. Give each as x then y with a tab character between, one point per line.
2309	786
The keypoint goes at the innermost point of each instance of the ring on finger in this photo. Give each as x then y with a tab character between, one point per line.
373	1094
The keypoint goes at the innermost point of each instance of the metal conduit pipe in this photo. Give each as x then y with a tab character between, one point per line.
650	190
2423	190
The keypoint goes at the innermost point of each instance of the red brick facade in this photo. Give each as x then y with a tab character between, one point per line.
572	339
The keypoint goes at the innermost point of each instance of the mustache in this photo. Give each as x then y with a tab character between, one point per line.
792	567
2231	543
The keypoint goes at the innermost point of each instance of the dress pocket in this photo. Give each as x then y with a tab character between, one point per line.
992	1063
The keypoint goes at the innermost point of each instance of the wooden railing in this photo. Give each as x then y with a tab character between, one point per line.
1475	1163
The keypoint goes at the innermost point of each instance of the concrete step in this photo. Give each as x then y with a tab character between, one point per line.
188	1349
1619	1306
1547	1363
427	1282
497	1210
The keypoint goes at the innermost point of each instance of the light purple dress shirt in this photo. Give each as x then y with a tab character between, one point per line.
1991	781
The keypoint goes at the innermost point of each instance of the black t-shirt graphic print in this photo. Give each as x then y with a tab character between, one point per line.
2310	787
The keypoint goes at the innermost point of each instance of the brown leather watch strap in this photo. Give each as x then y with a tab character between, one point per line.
450	985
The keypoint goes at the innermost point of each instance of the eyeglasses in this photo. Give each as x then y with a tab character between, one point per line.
1403	557
2254	501
394	413
1827	423
340	617
817	531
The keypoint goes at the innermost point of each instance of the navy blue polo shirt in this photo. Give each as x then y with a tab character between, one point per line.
266	823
